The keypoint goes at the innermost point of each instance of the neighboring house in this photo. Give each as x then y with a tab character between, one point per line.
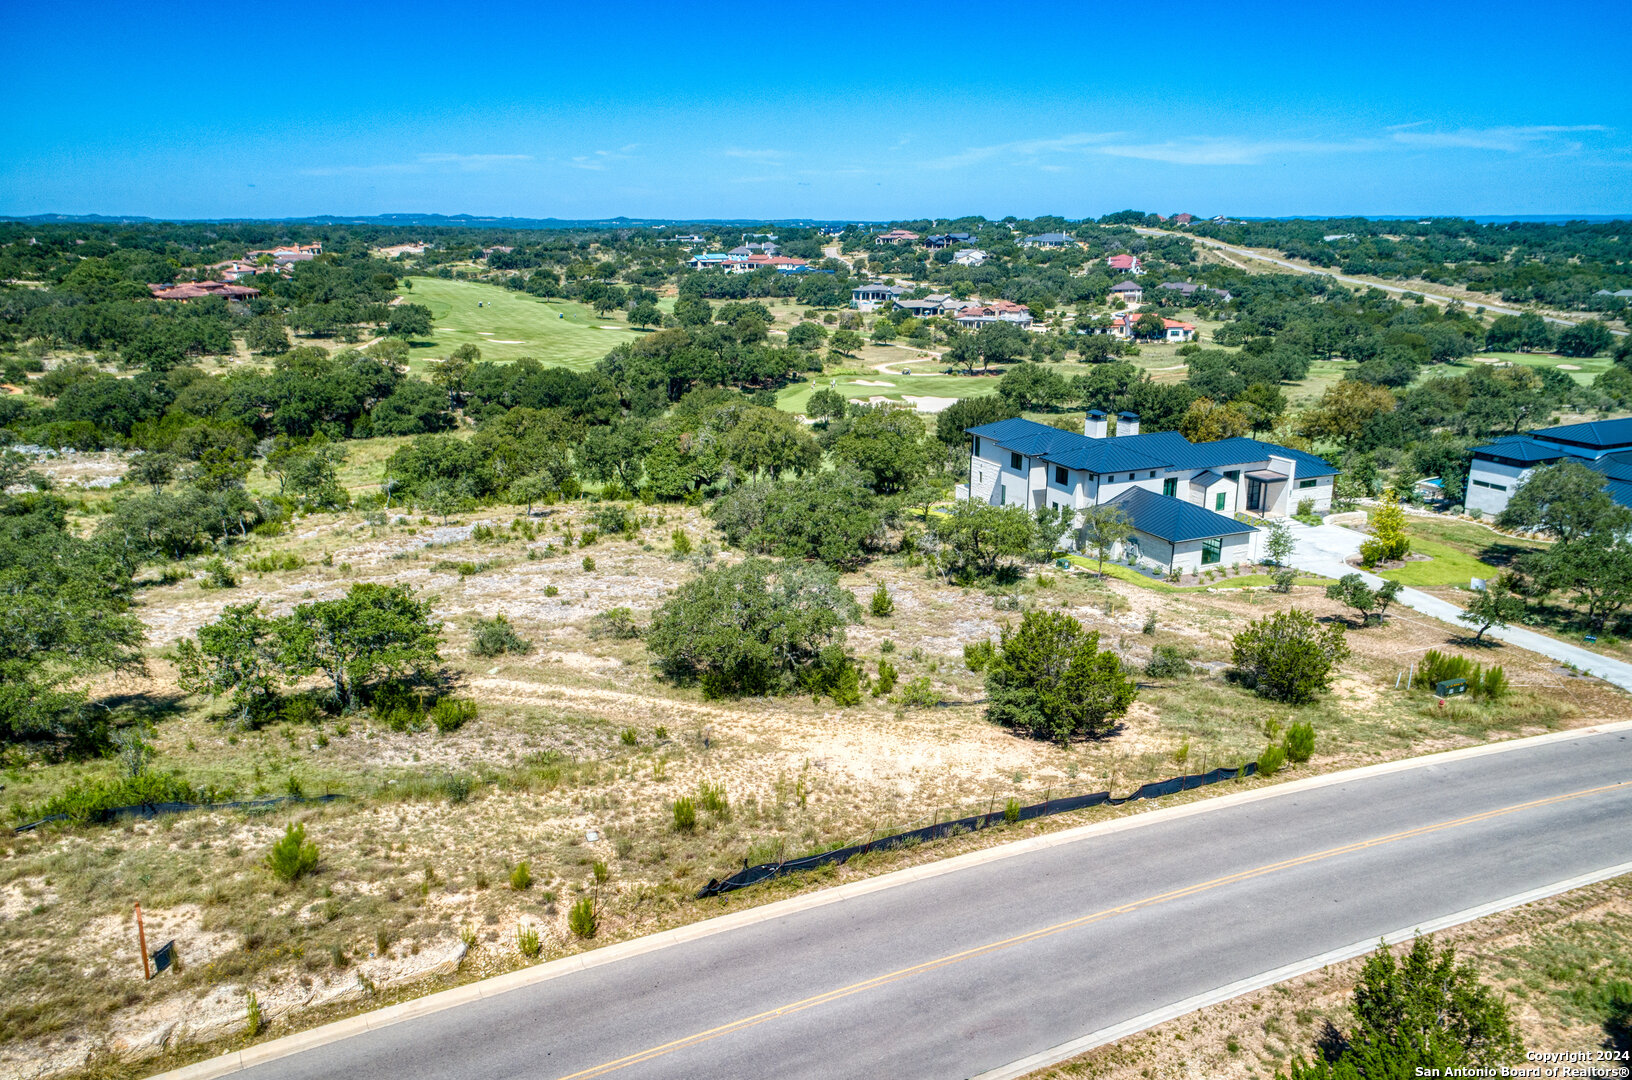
1181	497
756	249
290	252
872	297
1173	331
197	290
945	240
1128	264
503	249
970	257
1624	294
896	236
929	306
234	270
1129	292
1499	468
973	316
1183	219
1189	289
1047	240
716	260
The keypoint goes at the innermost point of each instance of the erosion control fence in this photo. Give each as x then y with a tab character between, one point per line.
750	875
154	809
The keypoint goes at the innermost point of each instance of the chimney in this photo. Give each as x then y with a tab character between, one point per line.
1127	423
1094	426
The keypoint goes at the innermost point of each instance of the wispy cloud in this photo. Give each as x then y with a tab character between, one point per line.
766	157
1510	140
1204	150
473	161
421	163
600	159
1021	151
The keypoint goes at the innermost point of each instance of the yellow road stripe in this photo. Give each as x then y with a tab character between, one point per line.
1071	924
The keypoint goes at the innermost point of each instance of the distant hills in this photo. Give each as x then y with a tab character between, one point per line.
452	221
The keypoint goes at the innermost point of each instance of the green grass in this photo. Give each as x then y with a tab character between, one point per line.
1457	551
1445	566
1585	370
512	324
1125	573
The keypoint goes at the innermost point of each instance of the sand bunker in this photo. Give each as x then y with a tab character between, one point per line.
872	382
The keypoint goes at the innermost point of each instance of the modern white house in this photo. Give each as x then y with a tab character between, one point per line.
1499	468
1182	498
873	296
970	257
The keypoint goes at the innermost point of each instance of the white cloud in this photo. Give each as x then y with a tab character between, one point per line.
1510	140
1021	150
1204	150
598	160
767	157
473	161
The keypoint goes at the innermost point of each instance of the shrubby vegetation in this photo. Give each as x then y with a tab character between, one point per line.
1289	656
1050	678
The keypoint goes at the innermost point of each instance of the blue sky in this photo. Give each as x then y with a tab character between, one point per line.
815	110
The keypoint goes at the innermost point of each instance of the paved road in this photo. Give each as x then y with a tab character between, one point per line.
1323	549
951	975
1361	282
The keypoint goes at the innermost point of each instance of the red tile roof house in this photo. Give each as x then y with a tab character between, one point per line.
978	315
896	236
1183	219
1127	263
234	269
1174	331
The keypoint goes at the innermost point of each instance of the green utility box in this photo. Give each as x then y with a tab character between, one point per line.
1451	687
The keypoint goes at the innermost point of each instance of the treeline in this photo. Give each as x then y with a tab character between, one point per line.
1561	265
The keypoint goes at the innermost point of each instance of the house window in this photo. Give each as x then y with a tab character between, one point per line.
1493	487
1233	475
1218	503
977	445
1002	495
1212	550
1014	460
1307	483
1061	476
1170	488
1153	474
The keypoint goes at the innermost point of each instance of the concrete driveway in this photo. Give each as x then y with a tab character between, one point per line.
1323	549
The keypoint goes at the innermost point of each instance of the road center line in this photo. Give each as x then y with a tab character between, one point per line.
1071	924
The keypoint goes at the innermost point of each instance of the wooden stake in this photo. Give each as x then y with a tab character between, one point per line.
141	939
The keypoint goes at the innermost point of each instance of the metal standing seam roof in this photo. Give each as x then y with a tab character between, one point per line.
1131	453
1175	520
1598	434
1524	449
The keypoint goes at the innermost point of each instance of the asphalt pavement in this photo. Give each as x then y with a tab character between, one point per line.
975	968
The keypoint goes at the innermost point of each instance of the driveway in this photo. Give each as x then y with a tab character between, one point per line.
1323	549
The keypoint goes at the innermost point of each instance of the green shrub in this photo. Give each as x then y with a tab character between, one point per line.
1011	811
92	800
1150	625
527	941
918	694
685	814
589	563
292	857
300	709
600	872
886	678
1271	760
254	1022
1285	577
1494	685
274	562
583	919
1289	656
712	798
682	542
978	655
617	623
397	706
218	575
1169	662
551	590
521	878
450	715
882	604
457	788
1300	743
495	637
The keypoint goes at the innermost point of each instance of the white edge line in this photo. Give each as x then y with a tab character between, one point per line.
323	1035
1057	1054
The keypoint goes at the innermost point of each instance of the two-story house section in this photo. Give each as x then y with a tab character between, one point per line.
1499	468
1181	497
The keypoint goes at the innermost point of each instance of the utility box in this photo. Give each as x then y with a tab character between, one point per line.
1450	687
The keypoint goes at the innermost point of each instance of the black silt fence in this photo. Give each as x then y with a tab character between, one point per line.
750	875
154	809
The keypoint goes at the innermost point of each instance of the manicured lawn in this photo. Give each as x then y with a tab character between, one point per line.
1582	371
859	384
510	324
1457	550
1445	566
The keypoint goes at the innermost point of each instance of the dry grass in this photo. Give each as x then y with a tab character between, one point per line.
407	863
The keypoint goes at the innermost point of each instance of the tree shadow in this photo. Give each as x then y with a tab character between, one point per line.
148	707
1331	1043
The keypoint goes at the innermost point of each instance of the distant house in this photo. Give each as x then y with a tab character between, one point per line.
1046	240
872	297
1180	497
929	306
1188	289
896	236
1128	264
756	249
1499	468
946	240
727	263
503	249
1173	331
1183	219
970	257
974	316
1129	292
1624	294
289	252
234	270
198	290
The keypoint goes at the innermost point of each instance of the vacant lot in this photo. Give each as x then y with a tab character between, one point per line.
511	324
575	759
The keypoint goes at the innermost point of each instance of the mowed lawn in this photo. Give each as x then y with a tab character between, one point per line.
1582	370
510	324
1457	551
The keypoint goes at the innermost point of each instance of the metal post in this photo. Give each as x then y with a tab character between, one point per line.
141	939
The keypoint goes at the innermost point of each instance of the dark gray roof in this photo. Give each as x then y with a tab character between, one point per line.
1175	520
1131	453
1595	434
